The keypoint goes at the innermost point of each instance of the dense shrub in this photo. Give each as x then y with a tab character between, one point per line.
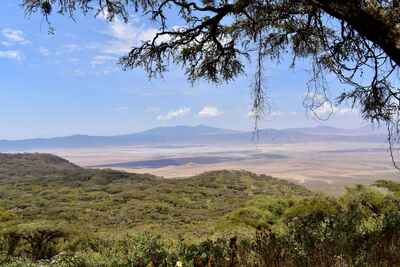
359	229
35	240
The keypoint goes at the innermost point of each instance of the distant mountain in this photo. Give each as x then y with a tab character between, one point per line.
182	130
201	134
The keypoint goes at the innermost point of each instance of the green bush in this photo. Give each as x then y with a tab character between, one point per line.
36	240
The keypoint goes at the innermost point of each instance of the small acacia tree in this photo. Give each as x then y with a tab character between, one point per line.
38	239
356	40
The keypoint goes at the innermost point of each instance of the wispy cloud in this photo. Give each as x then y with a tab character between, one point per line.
11	54
126	35
123	36
102	59
322	108
72	48
173	114
209	112
14	36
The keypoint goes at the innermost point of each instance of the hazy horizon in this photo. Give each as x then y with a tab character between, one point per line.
373	127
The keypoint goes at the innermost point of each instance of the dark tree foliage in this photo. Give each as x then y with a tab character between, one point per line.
357	40
39	238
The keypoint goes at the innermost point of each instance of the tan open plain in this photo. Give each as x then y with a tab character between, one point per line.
327	167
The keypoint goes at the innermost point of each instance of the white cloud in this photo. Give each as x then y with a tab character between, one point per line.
209	112
11	54
14	36
44	51
327	109
121	37
322	108
126	35
174	114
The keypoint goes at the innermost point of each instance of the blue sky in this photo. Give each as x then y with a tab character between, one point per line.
69	83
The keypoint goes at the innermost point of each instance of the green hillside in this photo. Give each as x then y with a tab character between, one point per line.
36	165
54	213
45	187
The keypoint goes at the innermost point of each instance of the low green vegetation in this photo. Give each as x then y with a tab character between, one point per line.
53	213
110	202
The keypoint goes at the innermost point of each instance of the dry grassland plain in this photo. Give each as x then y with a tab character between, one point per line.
326	167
